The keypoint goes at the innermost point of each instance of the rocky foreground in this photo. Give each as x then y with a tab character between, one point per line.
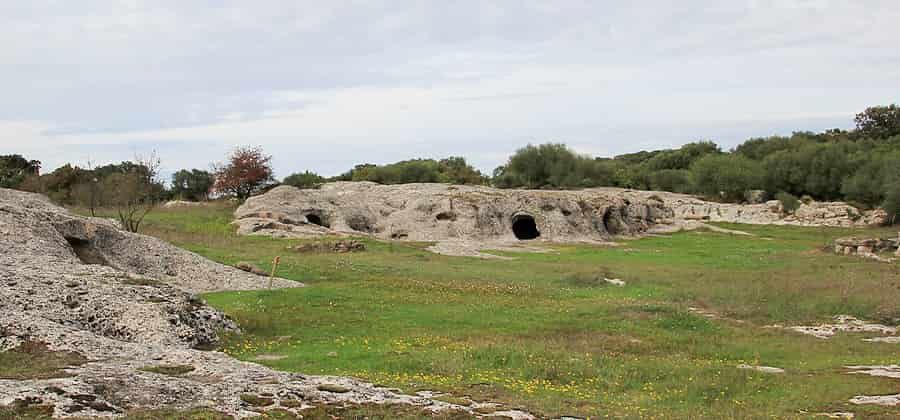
122	309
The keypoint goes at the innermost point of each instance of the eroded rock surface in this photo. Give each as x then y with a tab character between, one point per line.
440	212
126	303
436	212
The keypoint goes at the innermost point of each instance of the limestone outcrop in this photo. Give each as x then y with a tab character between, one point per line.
872	248
834	214
436	212
440	212
126	303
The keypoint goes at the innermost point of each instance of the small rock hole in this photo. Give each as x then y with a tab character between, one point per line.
86	252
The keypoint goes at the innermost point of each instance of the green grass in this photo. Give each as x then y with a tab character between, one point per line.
170	370
542	333
32	360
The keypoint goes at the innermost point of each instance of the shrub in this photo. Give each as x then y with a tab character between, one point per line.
551	165
305	180
891	203
726	176
789	203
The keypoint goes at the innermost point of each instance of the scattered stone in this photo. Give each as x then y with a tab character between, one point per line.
181	203
251	268
868	247
337	247
763	369
883	400
844	323
615	282
837	415
888	371
269	357
892	340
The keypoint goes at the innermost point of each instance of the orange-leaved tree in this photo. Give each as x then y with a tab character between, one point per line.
247	171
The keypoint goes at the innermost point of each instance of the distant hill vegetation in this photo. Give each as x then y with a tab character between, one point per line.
861	166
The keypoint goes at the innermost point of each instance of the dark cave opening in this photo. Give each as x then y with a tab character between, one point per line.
316	220
86	252
524	227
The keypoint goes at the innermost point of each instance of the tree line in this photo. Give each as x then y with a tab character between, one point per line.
861	166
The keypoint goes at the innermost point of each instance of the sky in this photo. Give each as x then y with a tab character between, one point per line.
323	86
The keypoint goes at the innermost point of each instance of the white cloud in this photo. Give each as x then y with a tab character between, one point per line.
329	86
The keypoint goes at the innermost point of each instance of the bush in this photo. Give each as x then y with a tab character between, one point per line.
305	179
14	169
891	203
551	165
452	170
726	176
789	202
192	184
674	180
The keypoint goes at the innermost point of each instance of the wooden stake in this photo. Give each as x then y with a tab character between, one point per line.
274	268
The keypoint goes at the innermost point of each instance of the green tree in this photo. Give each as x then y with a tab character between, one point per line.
879	122
726	176
551	165
789	202
193	184
304	179
891	202
14	169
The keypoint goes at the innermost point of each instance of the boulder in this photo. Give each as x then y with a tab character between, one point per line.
439	212
127	303
436	212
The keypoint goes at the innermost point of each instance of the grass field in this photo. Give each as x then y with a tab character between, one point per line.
545	333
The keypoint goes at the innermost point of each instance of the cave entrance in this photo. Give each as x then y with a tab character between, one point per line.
86	252
316	220
524	227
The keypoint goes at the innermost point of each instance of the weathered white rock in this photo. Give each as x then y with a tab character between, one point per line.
616	282
125	302
438	212
885	400
844	323
886	371
763	369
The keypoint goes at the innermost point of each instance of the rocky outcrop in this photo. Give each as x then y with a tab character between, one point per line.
834	214
439	212
872	248
436	212
126	303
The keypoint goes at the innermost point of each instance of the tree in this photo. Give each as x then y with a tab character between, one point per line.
304	179
879	122
455	170
683	157
134	191
551	165
891	203
248	171
726	176
14	169
789	202
193	184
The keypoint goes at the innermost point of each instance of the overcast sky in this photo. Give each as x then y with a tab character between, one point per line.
326	87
